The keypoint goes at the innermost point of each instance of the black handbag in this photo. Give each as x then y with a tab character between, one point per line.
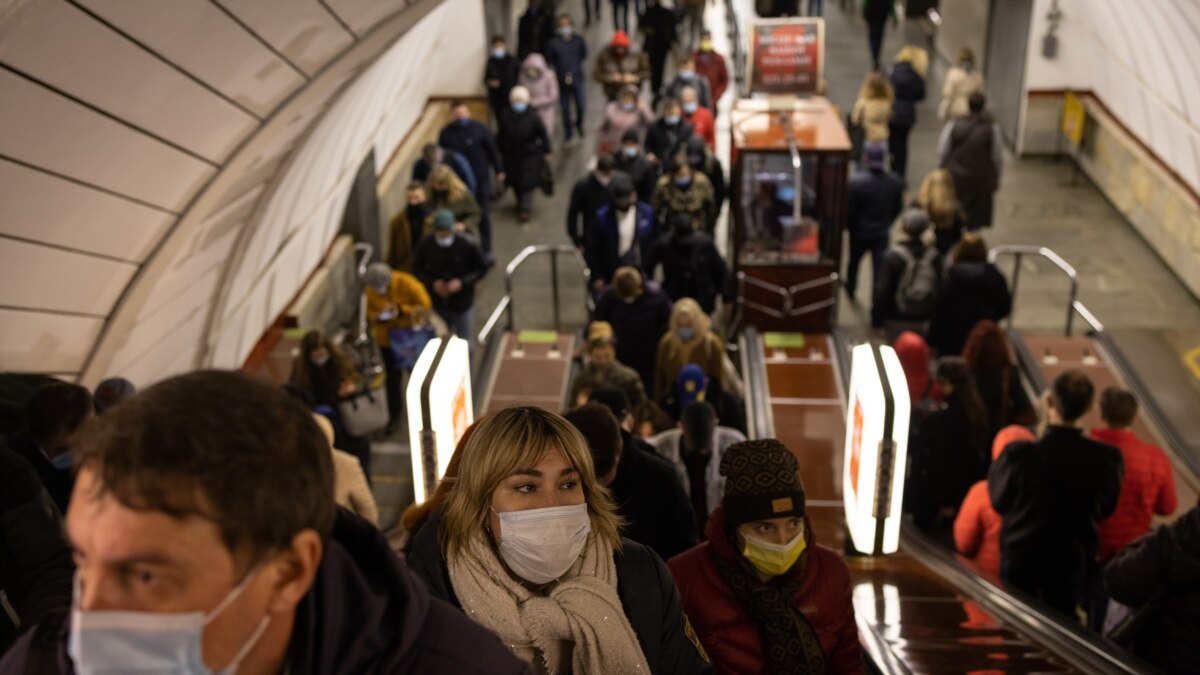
546	180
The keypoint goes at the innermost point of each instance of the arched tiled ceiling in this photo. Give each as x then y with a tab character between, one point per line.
141	144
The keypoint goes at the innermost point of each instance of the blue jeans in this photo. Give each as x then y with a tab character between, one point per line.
459	323
565	96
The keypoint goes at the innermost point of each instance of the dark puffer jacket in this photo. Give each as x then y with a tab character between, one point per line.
970	293
365	613
643	583
731	637
1164	564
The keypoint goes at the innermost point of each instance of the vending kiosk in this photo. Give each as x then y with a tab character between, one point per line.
790	155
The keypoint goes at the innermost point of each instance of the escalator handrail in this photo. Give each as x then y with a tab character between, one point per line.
758	412
1084	650
505	306
1019	251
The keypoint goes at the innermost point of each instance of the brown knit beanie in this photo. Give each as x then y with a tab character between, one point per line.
762	480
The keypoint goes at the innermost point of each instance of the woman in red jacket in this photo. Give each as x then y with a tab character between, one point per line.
761	595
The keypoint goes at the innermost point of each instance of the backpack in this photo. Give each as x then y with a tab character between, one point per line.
918	287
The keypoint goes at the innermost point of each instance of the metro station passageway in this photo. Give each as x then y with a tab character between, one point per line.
987	459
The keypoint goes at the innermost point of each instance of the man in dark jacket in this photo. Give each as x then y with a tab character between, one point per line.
212	493
660	29
640	312
566	53
450	264
1163	567
707	163
500	76
474	141
972	150
692	266
432	155
54	418
668	134
909	89
876	197
1052	493
534	29
35	561
631	161
645	487
623	234
587	197
906	292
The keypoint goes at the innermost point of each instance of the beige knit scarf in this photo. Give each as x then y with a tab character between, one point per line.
580	615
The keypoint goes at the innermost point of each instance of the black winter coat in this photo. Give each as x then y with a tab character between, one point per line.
664	140
534	30
692	268
948	454
473	140
524	146
587	197
641	171
505	69
649	496
365	613
876	198
35	561
1164	564
1052	493
644	585
971	292
910	90
461	260
637	327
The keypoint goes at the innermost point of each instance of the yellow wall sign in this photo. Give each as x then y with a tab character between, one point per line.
1073	115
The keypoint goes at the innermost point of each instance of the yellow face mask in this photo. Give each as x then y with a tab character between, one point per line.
773	559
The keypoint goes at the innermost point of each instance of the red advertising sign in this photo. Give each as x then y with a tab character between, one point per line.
787	56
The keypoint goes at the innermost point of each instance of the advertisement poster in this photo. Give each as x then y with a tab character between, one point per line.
787	56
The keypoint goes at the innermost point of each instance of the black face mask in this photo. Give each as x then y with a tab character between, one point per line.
417	212
441	194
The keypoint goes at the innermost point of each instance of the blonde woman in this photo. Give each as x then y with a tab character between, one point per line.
907	77
446	190
688	340
873	109
962	80
528	544
939	200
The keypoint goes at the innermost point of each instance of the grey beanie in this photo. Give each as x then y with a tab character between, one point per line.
378	274
915	221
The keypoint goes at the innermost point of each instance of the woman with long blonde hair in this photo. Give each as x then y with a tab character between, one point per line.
527	543
689	339
939	200
907	77
873	109
446	190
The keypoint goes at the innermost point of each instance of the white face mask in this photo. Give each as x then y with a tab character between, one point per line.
109	641
540	545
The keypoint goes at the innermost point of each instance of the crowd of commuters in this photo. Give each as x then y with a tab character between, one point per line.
639	531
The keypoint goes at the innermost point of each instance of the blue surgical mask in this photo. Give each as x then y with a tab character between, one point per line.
628	107
690	107
683	181
686	334
687	74
671	119
445	242
565	31
63	461
112	641
499	53
520	107
629	151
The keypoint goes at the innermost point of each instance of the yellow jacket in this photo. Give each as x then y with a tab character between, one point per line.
407	294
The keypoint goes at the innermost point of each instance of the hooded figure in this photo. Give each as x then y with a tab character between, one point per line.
542	83
762	596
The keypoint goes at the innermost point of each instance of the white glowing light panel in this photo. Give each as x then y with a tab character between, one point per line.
450	410
865	420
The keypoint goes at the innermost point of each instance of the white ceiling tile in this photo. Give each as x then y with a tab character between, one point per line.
307	34
34	342
42	207
204	41
69	50
362	15
43	278
149	352
49	131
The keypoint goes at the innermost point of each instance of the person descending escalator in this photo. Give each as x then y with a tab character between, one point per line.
972	290
692	266
630	160
763	595
527	151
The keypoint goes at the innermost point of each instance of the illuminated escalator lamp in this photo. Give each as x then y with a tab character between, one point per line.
876	449
439	409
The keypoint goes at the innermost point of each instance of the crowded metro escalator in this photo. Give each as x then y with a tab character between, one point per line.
708	451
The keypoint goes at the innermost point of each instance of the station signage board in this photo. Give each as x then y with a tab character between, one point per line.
439	409
786	56
876	449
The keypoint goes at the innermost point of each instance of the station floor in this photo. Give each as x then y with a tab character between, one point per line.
1121	280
